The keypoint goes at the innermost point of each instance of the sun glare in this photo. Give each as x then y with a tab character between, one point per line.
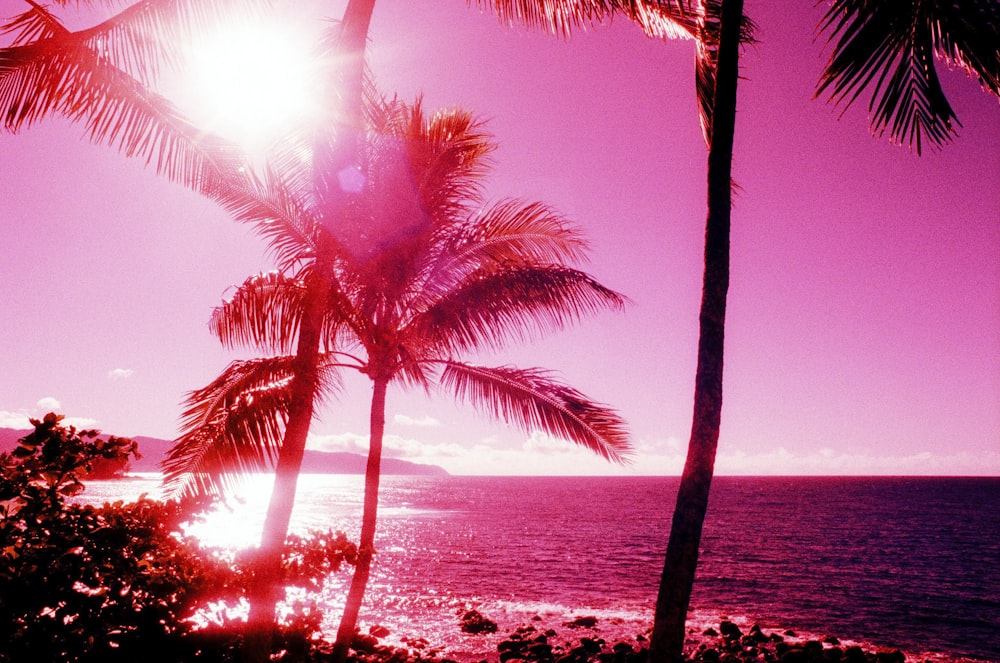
252	81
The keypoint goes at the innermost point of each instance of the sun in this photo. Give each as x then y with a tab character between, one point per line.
253	80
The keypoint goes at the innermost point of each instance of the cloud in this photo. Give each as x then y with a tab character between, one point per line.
49	404
426	421
350	442
16	420
830	462
20	420
120	373
81	423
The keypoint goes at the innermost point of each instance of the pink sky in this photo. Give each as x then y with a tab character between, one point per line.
864	325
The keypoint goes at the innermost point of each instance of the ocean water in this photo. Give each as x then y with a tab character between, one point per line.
908	563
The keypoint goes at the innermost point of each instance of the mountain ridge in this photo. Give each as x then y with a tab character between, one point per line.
154	449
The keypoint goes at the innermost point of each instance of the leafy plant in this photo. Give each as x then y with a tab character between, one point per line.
122	582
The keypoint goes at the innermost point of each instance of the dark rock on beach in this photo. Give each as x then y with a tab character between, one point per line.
473	622
582	622
534	643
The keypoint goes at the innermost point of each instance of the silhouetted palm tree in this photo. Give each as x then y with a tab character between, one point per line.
450	276
890	45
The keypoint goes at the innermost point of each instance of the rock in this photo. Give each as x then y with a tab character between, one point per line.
582	622
365	644
473	622
895	656
813	646
795	655
710	655
540	650
378	631
834	654
831	640
510	657
590	645
730	630
710	632
622	648
855	655
758	635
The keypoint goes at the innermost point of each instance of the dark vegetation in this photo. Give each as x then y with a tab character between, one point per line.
122	582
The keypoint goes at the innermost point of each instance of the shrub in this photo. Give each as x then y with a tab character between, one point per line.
120	582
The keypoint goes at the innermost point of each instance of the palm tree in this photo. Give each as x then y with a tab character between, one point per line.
890	45
450	275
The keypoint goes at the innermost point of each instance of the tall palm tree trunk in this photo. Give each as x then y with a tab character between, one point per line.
667	641
266	588
366	546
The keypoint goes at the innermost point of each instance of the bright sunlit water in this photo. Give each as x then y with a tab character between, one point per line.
893	562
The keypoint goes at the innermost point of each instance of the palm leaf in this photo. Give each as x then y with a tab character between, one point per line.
235	425
532	400
509	230
276	204
264	313
49	70
513	302
231	427
666	18
890	49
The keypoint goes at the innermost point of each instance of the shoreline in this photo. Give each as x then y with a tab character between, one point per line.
586	638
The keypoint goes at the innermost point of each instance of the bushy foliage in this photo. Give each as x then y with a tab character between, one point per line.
121	582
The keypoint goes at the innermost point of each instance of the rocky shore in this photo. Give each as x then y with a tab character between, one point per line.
585	639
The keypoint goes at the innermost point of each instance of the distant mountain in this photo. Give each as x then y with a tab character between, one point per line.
314	462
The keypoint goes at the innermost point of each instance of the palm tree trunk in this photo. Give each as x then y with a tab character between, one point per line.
667	641
266	589
366	546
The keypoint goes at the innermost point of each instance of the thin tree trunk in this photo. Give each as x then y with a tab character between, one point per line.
267	588
667	641
366	546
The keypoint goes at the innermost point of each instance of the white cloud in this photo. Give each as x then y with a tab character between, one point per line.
781	461
49	404
20	420
351	442
426	421
120	373
81	423
543	455
16	420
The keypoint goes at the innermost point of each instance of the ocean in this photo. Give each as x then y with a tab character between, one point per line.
907	563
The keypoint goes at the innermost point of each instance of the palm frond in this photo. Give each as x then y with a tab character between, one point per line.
448	156
231	427
276	204
61	73
506	231
516	302
662	19
532	400
235	425
264	313
890	49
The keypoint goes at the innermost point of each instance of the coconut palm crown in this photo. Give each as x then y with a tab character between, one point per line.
441	275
